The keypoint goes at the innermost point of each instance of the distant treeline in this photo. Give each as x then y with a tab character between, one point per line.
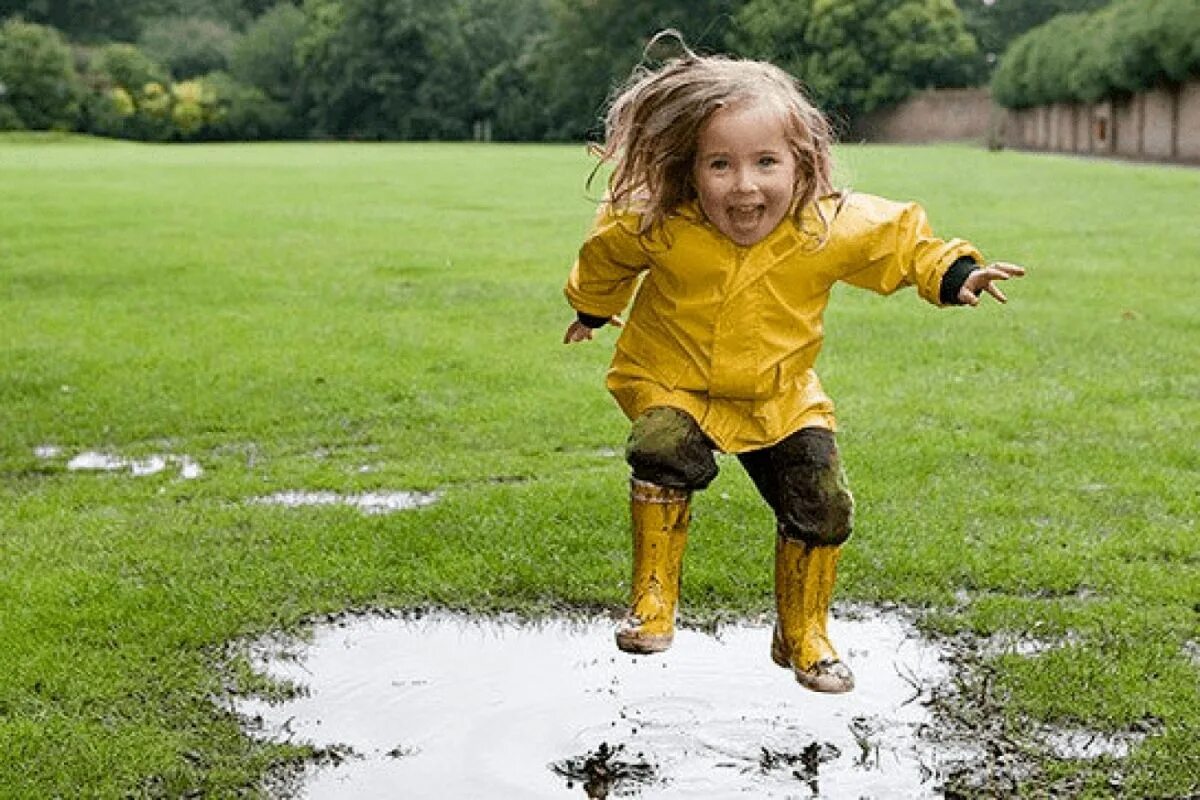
531	70
1125	47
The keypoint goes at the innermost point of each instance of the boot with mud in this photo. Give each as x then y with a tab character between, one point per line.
804	577
660	523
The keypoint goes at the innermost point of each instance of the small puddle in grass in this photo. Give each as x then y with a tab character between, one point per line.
450	706
367	502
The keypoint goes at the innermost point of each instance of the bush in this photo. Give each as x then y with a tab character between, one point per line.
265	56
39	88
125	66
244	112
1126	47
188	46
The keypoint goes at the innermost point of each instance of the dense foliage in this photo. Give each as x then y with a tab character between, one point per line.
1127	46
996	23
526	70
858	55
38	85
522	70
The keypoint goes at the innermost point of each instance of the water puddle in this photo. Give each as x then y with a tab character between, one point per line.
1080	743
367	502
97	461
451	706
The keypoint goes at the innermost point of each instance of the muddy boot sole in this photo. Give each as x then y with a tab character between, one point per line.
643	644
827	677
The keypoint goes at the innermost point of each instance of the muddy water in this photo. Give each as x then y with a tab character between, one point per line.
446	706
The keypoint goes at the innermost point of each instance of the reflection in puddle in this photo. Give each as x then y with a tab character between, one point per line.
450	706
368	502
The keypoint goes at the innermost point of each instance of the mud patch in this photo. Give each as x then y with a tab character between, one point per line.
367	502
605	770
451	706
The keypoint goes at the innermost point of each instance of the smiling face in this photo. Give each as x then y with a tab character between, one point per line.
745	172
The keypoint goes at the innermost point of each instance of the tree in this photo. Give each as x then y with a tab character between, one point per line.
997	23
245	112
127	67
857	55
407	69
1125	47
497	36
101	21
89	21
188	46
364	63
265	56
39	88
591	48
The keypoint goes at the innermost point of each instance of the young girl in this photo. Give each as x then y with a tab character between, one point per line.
721	197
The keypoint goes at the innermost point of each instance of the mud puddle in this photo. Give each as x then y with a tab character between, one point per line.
450	706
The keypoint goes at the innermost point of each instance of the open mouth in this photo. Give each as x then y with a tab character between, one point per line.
746	216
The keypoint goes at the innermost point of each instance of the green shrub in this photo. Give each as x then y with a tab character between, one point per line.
265	56
245	112
188	46
126	66
39	88
1126	47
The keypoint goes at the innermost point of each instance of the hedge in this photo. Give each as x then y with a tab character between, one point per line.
1126	47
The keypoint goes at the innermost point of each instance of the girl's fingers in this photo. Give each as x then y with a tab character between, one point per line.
1006	270
995	292
577	332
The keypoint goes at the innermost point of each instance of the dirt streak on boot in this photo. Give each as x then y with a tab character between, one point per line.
804	578
660	518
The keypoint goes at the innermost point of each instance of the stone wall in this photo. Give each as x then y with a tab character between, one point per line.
934	115
1159	124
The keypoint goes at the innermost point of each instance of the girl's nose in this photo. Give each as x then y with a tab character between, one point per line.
745	181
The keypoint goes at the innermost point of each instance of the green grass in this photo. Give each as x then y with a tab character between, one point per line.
356	317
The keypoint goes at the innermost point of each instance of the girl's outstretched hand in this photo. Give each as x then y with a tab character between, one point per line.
980	281
578	332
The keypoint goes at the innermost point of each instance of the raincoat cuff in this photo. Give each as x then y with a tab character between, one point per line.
591	321
954	279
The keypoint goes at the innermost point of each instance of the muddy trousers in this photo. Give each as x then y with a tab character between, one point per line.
802	480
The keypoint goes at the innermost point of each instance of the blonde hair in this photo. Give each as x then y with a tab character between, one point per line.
653	124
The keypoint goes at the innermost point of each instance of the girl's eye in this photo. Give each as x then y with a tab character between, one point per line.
768	161
718	163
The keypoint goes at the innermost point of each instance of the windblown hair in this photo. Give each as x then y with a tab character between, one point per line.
653	125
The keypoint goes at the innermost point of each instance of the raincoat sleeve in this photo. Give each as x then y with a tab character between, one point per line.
605	274
893	247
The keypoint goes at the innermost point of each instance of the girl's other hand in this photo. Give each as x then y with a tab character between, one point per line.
578	332
980	281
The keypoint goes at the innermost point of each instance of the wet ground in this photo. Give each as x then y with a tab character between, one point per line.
448	706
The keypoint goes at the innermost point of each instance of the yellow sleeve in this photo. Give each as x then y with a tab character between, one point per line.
892	246
609	262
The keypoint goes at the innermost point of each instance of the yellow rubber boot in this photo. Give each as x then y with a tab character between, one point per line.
660	522
804	577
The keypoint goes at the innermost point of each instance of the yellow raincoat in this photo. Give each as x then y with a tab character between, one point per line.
729	334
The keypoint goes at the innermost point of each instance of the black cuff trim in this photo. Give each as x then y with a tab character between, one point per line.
954	279
591	321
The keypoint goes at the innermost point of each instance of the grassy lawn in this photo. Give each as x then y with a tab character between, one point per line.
353	317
